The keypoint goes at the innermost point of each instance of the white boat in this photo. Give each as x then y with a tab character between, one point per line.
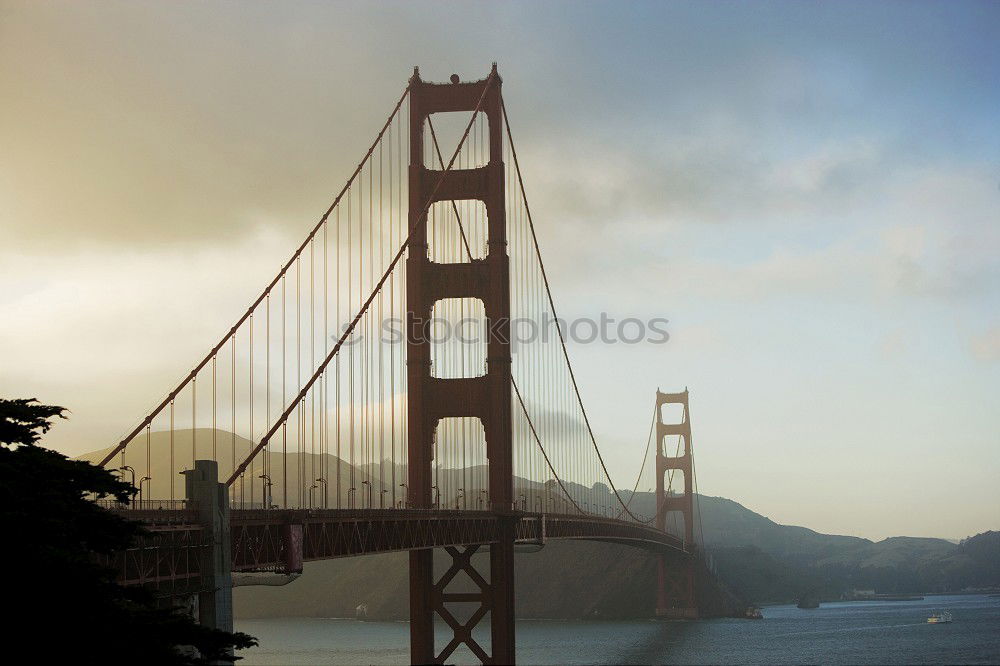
939	618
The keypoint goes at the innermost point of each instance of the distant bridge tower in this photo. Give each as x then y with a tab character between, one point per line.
487	397
675	596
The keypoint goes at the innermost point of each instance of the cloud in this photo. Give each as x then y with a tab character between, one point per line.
701	175
893	344
940	235
728	168
108	332
126	130
915	232
986	345
132	123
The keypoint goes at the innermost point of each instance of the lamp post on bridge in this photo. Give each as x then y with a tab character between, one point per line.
437	497
368	483
460	496
131	470
325	493
311	489
266	482
142	481
405	488
350	497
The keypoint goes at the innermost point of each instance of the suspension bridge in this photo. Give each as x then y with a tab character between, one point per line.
401	385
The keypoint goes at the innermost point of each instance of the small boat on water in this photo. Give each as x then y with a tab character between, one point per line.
939	618
753	613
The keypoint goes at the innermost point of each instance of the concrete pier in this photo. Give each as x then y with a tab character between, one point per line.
211	498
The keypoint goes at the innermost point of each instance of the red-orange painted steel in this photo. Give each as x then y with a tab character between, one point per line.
487	398
675	584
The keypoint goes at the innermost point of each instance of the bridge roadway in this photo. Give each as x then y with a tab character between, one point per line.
170	557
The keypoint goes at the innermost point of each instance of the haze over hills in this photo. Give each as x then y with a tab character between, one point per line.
373	484
759	559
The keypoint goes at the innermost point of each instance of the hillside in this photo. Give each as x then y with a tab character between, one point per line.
727	523
287	470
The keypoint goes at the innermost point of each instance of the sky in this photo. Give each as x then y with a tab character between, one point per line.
808	192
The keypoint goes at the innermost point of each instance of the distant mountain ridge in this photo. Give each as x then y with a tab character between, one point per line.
764	561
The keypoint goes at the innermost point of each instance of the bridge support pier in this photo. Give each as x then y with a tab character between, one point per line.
502	593
211	498
494	598
675	595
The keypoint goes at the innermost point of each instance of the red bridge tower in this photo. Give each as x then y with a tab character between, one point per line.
487	397
675	590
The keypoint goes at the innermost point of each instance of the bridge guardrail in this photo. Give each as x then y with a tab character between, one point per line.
155	512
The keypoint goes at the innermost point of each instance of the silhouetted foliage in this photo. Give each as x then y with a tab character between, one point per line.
62	605
24	420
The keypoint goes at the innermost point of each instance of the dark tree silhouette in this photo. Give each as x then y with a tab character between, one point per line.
61	604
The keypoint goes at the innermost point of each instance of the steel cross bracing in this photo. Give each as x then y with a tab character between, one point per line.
334	442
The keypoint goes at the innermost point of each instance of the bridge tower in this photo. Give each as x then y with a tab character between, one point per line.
487	397
675	596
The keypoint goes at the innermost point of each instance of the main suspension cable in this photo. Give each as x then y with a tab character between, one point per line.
517	391
371	297
645	456
552	305
267	290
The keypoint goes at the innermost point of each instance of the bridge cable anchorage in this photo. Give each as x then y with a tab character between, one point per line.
371	297
517	391
267	290
562	340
